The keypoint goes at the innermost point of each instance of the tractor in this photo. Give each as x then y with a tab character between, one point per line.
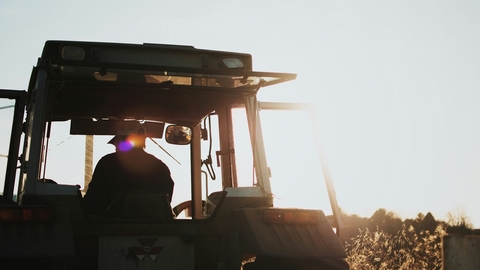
200	112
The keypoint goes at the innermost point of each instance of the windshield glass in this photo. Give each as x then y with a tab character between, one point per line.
296	174
67	159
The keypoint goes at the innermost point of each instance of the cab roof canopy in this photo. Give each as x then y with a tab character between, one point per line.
166	83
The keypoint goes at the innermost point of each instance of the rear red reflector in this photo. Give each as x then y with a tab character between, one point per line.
26	214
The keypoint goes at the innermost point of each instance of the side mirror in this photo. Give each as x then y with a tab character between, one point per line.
180	135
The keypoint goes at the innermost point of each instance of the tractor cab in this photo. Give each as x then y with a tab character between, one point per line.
199	112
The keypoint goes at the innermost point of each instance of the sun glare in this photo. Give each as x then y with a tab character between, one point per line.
126	145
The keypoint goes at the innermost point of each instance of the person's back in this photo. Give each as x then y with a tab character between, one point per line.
128	169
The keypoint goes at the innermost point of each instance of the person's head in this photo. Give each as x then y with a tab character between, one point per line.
127	139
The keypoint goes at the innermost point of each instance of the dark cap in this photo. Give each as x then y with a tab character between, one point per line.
123	134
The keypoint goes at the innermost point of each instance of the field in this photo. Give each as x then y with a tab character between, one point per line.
405	250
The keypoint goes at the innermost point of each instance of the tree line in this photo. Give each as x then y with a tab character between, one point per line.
389	222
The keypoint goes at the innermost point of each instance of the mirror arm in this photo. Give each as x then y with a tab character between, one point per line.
165	150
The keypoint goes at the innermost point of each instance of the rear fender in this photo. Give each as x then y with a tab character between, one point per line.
288	233
29	238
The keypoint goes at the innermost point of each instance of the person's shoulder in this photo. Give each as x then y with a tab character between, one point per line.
108	157
154	158
111	155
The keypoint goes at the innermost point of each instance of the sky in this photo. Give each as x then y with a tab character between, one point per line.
395	83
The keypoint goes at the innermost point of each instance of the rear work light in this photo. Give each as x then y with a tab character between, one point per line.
73	53
232	62
291	217
26	214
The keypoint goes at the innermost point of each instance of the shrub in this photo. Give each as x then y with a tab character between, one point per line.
405	250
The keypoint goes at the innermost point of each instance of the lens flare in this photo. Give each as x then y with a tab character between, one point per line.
131	142
126	145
